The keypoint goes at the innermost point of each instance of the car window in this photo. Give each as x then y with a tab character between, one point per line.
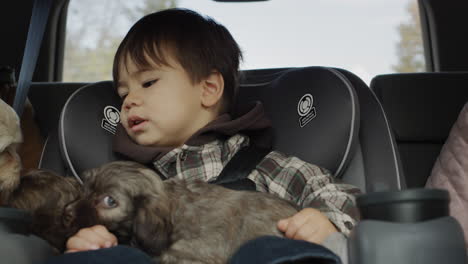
366	37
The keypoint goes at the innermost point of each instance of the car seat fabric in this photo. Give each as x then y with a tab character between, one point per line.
373	163
48	100
377	157
87	124
314	113
450	171
51	157
421	108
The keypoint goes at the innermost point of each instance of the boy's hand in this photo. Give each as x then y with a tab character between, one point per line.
309	224
91	238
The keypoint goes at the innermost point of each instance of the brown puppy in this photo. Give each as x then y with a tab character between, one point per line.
42	193
10	139
30	151
175	221
45	194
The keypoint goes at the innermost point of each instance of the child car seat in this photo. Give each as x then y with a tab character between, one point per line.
314	111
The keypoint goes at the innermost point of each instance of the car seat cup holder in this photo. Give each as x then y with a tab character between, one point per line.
408	226
15	221
407	206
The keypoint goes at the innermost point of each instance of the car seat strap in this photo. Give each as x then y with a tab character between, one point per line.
234	175
37	26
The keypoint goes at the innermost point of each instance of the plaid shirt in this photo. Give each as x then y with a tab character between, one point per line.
305	184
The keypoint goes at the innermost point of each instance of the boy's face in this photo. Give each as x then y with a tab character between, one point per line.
161	106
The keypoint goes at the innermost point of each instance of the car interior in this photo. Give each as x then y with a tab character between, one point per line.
383	136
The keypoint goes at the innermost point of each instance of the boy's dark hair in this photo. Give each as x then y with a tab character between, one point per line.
198	43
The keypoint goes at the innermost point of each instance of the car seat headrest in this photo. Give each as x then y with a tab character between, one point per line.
314	112
87	124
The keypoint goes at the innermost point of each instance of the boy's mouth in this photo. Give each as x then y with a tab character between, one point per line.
136	123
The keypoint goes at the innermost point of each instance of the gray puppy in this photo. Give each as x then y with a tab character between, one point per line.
174	221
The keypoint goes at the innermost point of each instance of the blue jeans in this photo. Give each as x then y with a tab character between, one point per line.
276	250
263	250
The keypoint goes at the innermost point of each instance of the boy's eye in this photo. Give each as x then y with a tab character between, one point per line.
149	83
122	92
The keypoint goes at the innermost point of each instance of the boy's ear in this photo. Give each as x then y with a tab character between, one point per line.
212	89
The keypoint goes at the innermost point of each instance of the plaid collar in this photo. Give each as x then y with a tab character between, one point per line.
204	162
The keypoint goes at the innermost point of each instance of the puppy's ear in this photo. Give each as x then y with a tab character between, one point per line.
152	227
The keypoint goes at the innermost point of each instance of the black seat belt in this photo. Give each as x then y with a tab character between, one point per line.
234	175
37	25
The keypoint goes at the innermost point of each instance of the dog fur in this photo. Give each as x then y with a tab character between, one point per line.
31	149
42	193
45	194
10	139
175	221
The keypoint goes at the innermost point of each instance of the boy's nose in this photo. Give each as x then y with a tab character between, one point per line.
128	105
131	101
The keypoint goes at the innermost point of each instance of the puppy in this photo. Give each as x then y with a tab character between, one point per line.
30	151
42	193
175	221
45	194
10	139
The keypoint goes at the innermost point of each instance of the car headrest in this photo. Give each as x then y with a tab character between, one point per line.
87	123
422	106
314	111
